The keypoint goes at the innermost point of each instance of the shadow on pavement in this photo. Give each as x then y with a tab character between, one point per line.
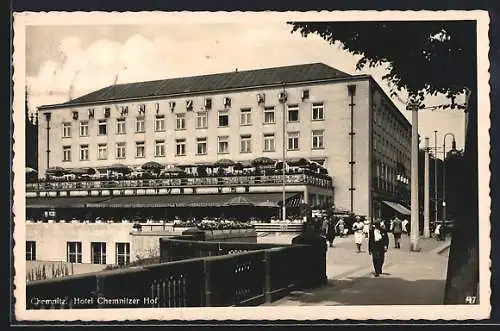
370	290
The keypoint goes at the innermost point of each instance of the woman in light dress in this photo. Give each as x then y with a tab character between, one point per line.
357	227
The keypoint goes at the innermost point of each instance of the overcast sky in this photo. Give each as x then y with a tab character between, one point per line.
64	62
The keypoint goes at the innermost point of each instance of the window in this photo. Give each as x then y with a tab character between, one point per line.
293	141
180	147
140	149
318	112
223	118
103	127
160	148
74	251
293	113
269	115
223	144
121	126
30	250
269	142
84	152
66	130
180	122
84	128
317	139
202	120
208	103
246	116
98	252
122	253
120	151
201	146
160	123
66	153
139	124
102	151
246	144
305	94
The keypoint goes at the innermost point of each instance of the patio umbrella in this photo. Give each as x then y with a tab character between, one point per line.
152	165
238	166
279	165
120	168
299	162
30	170
262	161
83	171
56	171
224	162
239	201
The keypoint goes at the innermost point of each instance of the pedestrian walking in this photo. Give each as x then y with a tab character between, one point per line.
378	243
438	232
324	226
357	228
404	225
330	233
339	227
397	229
366	228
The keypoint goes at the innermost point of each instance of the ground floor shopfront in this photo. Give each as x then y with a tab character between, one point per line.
386	208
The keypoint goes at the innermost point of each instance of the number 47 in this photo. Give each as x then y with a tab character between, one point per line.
470	299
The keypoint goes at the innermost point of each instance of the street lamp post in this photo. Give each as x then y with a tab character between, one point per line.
283	102
426	190
444	172
413	106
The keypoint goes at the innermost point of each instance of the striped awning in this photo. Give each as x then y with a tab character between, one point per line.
398	207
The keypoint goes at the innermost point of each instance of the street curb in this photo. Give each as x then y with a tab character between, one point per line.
442	248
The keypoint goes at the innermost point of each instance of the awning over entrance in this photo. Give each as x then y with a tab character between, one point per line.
62	202
398	207
206	200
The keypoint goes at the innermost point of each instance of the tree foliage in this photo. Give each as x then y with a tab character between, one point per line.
423	57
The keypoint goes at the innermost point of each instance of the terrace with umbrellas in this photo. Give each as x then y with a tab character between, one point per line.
228	171
224	175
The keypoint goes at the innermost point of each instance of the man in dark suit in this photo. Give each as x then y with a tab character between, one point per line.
378	242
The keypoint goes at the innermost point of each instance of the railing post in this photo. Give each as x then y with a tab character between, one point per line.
207	287
99	291
267	276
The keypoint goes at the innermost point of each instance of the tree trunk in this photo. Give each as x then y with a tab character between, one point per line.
462	279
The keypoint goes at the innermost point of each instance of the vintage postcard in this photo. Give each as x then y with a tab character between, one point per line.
240	166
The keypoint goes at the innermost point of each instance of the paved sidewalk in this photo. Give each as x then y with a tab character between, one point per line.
410	278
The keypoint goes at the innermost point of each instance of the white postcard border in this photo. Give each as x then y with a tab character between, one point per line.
458	312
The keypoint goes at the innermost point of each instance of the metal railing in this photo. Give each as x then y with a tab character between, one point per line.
307	179
231	274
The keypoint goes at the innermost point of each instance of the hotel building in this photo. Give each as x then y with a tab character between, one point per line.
344	122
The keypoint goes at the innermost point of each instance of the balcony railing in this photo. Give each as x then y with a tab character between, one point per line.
294	179
240	274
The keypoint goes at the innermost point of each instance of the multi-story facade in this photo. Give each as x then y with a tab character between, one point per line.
344	122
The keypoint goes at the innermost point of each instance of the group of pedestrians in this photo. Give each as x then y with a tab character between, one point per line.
376	232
